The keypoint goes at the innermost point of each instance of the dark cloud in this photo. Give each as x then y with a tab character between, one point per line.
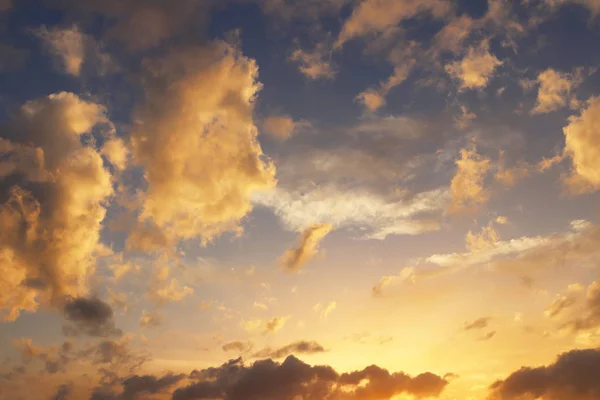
590	315
90	316
300	347
238	346
62	393
575	375
479	323
269	380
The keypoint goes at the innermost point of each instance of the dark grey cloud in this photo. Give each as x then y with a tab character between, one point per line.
62	393
90	316
300	347
291	379
574	375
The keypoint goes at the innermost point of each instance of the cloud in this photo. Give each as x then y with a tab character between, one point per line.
592	5
201	156
583	146
300	347
239	346
465	119
90	316
480	323
316	64
282	127
487	336
379	16
555	91
116	152
307	248
466	188
164	289
55	190
571	377
475	69
55	358
485	239
269	380
150	319
587	317
274	324
63	392
324	311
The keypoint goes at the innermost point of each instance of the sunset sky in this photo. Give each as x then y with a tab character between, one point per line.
299	199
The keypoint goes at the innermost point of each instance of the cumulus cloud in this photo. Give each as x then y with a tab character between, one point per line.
150	319
466	187
54	190
476	68
307	248
316	64
583	146
72	48
555	91
282	127
269	380
572	376
300	347
116	152
274	324
379	16
586	317
200	152
485	239
90	316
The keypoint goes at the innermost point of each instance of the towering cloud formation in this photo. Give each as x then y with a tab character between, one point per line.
196	138
53	191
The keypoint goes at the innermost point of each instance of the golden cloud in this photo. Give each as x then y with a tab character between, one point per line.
554	91
196	138
308	247
476	68
466	187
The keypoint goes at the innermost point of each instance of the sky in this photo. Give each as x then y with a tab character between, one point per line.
299	200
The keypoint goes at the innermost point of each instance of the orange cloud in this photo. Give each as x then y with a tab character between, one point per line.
308	247
476	68
466	187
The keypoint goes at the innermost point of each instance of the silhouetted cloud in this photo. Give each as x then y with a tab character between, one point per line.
90	316
300	347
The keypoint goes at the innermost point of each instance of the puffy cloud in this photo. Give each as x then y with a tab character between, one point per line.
316	64
466	188
300	347
90	316
308	247
378	16
476	68
554	91
55	190
572	376
583	146
150	319
67	45
292	379
281	127
142	384
55	358
485	239
374	98
197	141
588	317
116	152
274	324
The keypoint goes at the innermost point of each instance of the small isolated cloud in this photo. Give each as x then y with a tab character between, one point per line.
300	347
282	127
325	310
466	187
316	64
582	144
487	336
572	376
150	319
90	316
307	248
555	91
480	323
238	346
375	98
274	324
476	68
